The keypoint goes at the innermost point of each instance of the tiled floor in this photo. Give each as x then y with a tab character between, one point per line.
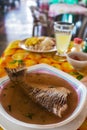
16	23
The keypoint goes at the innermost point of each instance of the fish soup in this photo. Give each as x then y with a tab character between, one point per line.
16	103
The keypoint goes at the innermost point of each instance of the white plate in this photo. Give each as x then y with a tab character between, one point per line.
22	45
10	123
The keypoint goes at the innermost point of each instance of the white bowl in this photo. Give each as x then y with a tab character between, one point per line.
77	59
79	114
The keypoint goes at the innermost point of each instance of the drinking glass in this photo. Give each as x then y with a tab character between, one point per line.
63	33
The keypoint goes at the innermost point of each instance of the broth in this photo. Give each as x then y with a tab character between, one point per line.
20	106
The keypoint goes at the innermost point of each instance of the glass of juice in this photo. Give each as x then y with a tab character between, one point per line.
63	33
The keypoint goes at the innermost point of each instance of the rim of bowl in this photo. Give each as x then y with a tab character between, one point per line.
68	55
54	125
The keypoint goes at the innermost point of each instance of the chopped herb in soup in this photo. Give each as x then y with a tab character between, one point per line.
18	104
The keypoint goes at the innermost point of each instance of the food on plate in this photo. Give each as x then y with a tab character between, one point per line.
39	43
31	41
40	98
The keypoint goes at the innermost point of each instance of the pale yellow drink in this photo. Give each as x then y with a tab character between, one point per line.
62	42
63	33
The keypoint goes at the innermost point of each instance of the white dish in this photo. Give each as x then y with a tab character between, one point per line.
73	125
78	60
70	123
38	44
22	45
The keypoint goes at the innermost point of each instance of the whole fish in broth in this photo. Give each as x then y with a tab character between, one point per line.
54	99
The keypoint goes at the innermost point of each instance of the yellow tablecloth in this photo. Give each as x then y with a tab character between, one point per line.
14	55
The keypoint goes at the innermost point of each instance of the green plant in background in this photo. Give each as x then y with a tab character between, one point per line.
63	1
71	1
55	1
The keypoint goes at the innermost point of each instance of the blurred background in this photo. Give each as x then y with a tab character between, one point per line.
20	19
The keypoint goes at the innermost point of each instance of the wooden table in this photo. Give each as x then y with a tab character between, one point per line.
14	55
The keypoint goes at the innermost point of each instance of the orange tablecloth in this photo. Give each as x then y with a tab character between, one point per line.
14	55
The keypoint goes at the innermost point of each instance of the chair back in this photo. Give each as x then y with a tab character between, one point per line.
40	18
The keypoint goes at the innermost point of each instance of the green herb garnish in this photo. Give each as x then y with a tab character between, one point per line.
13	62
74	73
79	77
20	61
29	115
9	108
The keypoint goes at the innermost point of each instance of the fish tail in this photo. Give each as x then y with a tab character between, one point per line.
16	74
